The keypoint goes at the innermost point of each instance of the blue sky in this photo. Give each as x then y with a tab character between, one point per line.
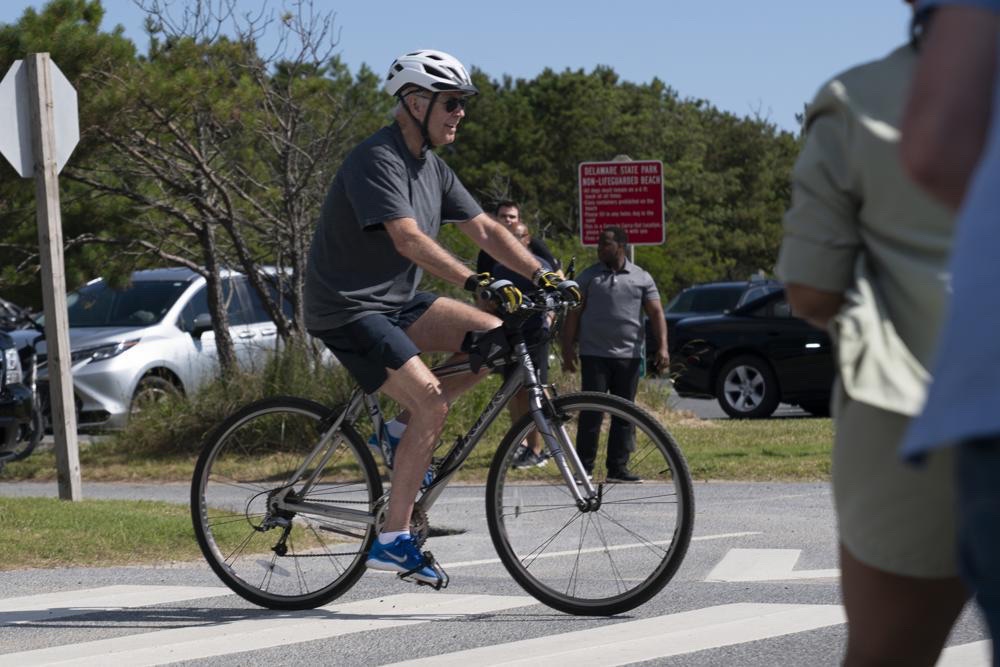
767	56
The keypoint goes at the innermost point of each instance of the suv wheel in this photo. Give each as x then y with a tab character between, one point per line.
151	389
746	388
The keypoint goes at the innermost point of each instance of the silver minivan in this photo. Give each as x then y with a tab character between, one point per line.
153	337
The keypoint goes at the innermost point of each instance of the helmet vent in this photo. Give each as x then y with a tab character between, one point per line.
434	71
398	67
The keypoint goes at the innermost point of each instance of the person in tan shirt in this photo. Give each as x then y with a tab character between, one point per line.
865	255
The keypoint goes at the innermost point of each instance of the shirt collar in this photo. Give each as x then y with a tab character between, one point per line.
626	267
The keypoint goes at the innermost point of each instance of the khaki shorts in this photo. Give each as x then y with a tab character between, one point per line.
891	515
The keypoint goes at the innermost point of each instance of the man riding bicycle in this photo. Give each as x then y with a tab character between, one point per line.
375	237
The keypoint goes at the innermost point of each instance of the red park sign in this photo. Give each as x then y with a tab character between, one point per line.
622	194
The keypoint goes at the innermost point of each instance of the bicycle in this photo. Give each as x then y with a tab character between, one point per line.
286	497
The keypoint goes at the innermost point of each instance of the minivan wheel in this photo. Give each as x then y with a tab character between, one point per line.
746	388
151	389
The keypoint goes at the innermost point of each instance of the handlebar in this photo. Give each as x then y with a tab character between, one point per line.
536	301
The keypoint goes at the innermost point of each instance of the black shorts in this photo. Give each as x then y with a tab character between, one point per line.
368	346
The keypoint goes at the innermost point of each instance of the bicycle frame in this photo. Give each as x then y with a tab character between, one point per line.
556	441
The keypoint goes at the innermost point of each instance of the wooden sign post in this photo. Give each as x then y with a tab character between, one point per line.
39	128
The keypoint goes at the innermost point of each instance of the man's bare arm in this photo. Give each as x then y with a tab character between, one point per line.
425	252
654	311
494	238
815	306
947	116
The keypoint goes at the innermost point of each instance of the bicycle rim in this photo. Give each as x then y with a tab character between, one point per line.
282	560
596	562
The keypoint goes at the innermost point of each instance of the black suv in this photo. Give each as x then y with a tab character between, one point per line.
15	401
707	299
752	358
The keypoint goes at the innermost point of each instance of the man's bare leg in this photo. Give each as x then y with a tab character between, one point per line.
414	387
425	398
442	329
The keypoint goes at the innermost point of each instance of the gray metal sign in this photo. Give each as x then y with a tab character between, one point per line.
15	119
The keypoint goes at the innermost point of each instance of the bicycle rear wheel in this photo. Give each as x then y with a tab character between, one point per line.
281	559
606	560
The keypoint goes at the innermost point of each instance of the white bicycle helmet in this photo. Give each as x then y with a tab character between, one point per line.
435	71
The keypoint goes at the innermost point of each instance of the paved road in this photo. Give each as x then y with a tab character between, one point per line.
731	602
709	408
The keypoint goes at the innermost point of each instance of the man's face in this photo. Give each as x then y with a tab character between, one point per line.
508	215
609	251
442	126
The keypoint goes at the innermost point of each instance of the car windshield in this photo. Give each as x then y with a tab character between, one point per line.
706	300
140	304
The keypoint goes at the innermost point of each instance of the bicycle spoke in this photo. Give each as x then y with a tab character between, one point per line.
620	580
573	566
266	444
540	549
649	544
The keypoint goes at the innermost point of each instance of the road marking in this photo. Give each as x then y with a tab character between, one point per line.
764	565
274	629
108	598
617	547
976	654
651	638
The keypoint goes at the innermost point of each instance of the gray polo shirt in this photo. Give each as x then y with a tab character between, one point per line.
611	322
354	269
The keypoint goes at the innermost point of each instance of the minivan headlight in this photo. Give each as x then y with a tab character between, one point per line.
12	362
102	352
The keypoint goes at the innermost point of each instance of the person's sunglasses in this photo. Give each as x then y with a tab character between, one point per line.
453	104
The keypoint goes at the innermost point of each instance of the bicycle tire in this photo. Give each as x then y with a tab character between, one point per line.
254	453
588	563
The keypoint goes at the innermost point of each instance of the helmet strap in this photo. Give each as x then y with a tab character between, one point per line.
424	131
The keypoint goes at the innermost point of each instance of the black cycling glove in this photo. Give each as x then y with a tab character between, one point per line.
551	281
503	292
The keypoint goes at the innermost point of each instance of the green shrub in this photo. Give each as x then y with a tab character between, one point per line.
179	425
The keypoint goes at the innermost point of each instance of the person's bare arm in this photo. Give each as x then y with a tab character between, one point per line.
425	252
654	311
570	328
948	112
494	238
815	306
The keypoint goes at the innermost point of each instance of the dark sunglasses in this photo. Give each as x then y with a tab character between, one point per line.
453	104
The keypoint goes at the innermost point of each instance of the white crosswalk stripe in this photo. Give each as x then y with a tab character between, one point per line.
280	629
618	643
108	598
976	654
650	638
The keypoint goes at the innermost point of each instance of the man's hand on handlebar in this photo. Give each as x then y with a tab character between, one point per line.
552	281
501	292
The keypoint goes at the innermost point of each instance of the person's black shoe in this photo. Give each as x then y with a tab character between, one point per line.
623	476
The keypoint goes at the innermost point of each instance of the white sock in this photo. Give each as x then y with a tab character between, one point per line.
390	536
395	428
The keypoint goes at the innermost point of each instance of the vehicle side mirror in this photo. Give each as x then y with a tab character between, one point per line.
201	324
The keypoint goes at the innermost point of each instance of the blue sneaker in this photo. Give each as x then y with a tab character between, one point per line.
393	444
403	557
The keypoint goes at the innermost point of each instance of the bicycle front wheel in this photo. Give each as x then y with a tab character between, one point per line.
278	558
606	559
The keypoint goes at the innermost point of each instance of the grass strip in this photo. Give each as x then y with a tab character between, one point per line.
48	533
796	449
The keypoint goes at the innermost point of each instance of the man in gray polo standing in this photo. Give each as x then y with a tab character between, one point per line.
608	327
